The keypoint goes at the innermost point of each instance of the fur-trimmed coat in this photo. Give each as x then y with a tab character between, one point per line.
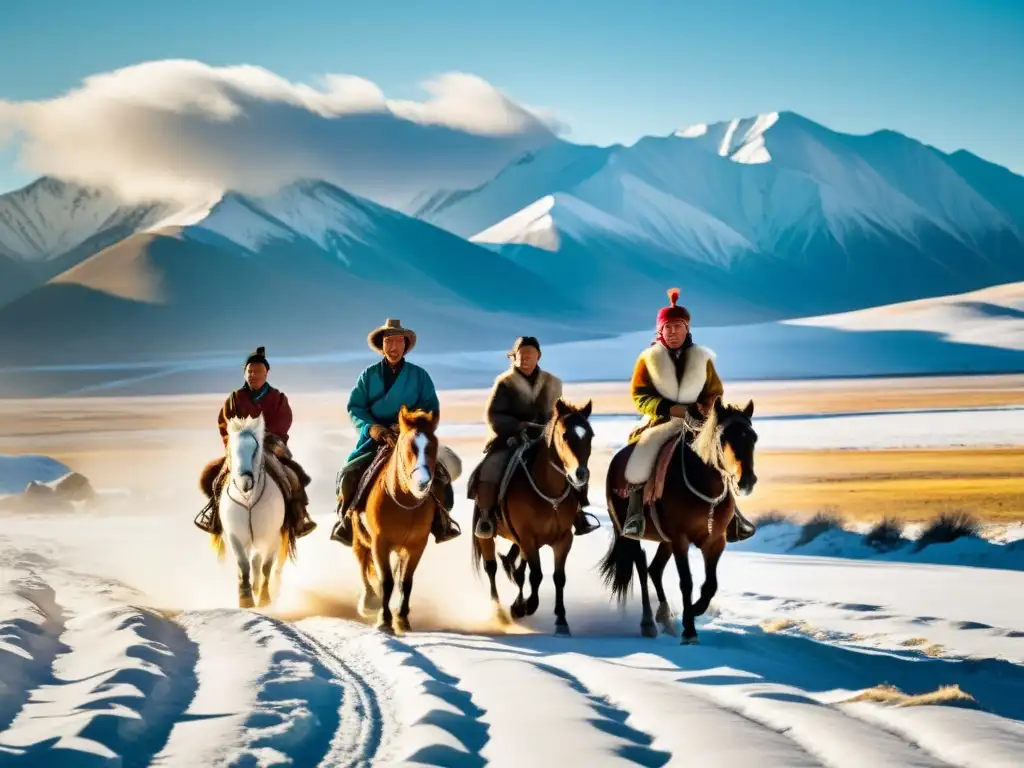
273	404
660	382
514	399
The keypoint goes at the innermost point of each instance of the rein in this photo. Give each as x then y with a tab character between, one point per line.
260	484
560	468
392	479
728	479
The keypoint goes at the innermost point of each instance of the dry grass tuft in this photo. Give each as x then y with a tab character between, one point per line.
823	521
886	534
948	527
893	696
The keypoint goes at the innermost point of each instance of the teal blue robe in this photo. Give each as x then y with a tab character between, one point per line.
368	405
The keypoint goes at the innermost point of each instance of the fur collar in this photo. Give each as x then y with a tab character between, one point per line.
662	370
523	387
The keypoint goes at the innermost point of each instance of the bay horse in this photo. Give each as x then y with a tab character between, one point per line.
251	508
696	507
399	512
538	510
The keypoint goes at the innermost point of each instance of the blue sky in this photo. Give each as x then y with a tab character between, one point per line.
947	73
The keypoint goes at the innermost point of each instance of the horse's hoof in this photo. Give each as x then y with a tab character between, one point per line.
690	641
402	625
501	616
263	601
245	601
562	630
648	629
664	613
369	604
518	609
532	605
385	628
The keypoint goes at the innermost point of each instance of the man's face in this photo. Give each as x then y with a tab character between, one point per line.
674	332
394	348
255	375
526	359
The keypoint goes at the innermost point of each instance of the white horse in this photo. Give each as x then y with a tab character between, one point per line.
251	508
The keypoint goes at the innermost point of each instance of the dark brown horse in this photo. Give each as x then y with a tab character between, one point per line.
399	512
538	510
695	508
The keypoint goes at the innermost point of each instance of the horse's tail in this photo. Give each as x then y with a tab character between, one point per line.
617	566
218	545
287	547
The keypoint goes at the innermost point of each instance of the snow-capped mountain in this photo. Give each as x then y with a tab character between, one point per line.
309	270
789	212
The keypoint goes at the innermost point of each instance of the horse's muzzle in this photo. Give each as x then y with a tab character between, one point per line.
421	481
747	483
246	481
579	478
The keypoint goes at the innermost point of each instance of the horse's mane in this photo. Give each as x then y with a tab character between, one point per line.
707	442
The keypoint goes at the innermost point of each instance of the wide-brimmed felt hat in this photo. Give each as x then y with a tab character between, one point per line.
391	327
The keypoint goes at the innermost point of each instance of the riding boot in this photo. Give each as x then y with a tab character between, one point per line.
304	524
443	527
634	525
486	498
739	527
582	525
342	531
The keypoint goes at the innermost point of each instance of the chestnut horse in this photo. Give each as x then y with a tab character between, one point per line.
399	511
696	507
539	508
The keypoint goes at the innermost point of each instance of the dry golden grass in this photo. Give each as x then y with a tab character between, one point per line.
893	696
914	486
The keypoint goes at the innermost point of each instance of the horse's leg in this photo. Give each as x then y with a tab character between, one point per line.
657	572
256	569
382	561
244	585
412	560
519	605
561	550
263	596
680	550
712	551
536	577
369	601
488	553
647	626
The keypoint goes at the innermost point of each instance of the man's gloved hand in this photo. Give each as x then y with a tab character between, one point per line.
381	434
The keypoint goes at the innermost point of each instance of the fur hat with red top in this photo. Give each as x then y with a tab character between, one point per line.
673	311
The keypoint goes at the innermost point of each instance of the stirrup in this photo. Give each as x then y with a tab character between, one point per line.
204	520
585	525
337	533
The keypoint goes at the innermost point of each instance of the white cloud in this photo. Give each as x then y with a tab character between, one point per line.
185	129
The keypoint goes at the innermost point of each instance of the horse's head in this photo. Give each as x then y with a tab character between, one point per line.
416	449
245	450
570	436
738	441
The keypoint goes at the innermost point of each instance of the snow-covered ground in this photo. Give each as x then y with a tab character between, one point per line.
119	645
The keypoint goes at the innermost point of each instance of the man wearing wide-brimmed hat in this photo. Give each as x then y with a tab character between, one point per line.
381	391
256	397
522	401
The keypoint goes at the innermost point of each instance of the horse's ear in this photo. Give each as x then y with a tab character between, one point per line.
434	417
587	409
749	410
561	408
719	407
403	415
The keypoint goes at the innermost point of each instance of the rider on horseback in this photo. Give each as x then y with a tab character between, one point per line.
381	391
522	401
256	396
674	379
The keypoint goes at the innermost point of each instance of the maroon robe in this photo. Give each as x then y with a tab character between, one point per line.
277	413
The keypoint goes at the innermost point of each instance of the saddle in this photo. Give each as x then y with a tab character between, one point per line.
655	485
518	454
369	477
